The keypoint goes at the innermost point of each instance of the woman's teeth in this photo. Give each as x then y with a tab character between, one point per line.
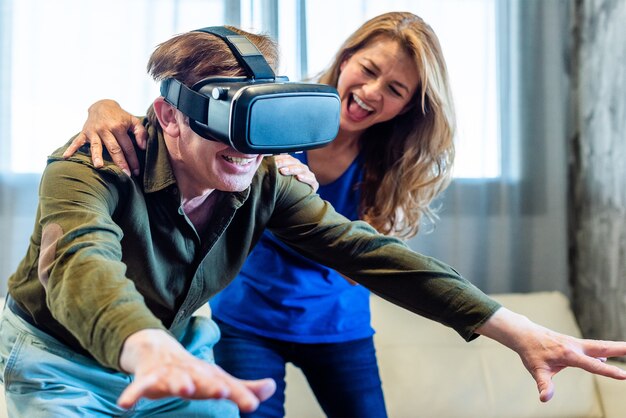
238	160
360	102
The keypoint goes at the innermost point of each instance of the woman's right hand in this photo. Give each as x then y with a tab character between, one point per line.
291	166
108	124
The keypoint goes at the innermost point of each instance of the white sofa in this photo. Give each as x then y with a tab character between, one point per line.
429	371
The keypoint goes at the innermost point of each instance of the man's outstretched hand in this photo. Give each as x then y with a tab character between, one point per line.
544	352
163	368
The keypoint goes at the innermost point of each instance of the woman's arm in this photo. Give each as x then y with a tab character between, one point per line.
109	125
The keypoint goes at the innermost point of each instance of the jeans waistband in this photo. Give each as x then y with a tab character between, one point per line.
18	311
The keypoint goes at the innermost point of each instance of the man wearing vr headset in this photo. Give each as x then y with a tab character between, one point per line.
99	310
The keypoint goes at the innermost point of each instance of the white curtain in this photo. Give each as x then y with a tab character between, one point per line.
502	223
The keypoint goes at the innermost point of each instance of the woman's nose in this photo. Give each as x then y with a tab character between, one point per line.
372	89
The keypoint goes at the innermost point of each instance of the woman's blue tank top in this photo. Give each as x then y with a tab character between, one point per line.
280	294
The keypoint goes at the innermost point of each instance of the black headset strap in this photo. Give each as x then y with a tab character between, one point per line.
194	104
191	103
245	51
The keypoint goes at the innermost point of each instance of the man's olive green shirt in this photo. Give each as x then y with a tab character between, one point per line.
111	255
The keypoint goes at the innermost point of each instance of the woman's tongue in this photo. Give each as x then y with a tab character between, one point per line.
355	111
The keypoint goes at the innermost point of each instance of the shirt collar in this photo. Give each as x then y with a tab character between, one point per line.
158	173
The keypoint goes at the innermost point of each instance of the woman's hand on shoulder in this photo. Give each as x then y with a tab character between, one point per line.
108	124
291	166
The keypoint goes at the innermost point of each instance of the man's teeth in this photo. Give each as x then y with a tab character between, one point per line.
238	160
360	102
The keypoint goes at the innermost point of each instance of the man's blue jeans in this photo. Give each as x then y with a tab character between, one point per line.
45	378
343	376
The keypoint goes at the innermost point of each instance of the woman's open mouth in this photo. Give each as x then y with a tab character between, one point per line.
358	109
361	103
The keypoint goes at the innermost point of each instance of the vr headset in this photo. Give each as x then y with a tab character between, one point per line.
260	113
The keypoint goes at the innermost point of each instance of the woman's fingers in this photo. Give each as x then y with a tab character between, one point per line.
291	166
79	141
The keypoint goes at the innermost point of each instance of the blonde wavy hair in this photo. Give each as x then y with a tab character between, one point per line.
407	160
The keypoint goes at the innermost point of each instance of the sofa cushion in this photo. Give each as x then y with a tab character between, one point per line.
429	371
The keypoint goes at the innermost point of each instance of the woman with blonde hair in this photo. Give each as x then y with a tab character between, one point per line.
392	156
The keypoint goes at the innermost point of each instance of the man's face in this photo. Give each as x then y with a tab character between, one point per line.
215	165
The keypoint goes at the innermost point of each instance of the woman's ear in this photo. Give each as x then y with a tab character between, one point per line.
166	114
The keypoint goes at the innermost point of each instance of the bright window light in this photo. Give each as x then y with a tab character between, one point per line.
66	54
466	30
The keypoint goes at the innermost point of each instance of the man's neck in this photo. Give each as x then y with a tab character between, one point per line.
200	209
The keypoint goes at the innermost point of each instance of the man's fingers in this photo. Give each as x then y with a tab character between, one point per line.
262	389
181	386
545	386
600	367
604	349
136	390
215	390
246	400
247	394
547	392
593	356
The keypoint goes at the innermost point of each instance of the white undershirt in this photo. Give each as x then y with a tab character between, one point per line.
200	208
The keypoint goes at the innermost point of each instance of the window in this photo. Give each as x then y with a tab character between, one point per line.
64	55
466	30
